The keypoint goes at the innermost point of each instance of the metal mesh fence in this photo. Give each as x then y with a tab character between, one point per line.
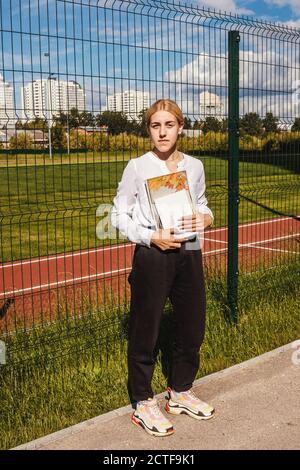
75	80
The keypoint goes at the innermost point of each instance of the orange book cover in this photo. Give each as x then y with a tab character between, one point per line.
170	199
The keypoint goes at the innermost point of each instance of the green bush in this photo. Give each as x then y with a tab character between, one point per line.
251	142
285	142
21	141
213	141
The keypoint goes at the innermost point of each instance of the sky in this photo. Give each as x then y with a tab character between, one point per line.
109	51
278	11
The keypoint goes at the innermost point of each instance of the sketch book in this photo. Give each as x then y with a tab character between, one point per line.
169	198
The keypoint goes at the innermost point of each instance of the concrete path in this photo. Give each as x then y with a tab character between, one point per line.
257	407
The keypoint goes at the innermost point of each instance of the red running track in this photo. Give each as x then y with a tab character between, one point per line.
31	287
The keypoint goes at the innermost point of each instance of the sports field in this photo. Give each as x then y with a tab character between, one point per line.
53	261
49	209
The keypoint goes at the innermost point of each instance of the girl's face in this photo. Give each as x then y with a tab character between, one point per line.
164	129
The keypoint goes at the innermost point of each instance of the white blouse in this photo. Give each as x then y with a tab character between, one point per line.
131	212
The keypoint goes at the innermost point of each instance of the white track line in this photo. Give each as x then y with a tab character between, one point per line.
251	224
124	245
215	241
271	239
64	282
220	250
108	273
65	256
252	245
271	249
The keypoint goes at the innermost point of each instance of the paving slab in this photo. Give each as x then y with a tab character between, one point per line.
257	406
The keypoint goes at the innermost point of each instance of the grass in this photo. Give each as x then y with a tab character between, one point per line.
40	158
52	208
64	373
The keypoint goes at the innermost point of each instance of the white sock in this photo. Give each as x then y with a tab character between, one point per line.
144	402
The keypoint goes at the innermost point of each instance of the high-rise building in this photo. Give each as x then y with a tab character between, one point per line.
34	100
46	98
130	102
7	110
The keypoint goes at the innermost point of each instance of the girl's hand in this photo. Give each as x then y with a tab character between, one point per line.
165	239
195	223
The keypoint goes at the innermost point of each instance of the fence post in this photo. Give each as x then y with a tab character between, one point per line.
233	172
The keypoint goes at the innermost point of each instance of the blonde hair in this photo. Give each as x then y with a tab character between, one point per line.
164	105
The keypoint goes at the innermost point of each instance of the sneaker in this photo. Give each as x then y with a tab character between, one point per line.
188	403
149	417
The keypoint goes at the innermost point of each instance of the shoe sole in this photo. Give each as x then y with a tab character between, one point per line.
140	424
178	410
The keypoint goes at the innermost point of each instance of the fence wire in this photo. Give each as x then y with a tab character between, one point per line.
76	78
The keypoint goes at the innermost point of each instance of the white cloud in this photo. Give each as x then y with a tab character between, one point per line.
229	6
268	82
293	23
293	4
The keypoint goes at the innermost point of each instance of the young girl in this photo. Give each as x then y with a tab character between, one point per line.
163	266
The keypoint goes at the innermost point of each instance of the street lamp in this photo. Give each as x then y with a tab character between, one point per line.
49	111
68	132
49	114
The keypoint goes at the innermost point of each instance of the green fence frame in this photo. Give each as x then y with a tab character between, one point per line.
233	172
55	174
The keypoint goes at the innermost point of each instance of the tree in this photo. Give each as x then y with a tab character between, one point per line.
61	119
187	123
270	123
74	118
224	125
19	125
211	124
251	124
58	137
143	132
38	123
116	122
198	124
133	127
86	119
296	125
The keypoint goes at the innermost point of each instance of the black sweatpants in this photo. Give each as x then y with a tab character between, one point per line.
155	276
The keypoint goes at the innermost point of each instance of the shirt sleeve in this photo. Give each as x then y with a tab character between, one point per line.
201	199
123	206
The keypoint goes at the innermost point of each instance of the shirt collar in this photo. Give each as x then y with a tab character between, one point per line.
163	164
